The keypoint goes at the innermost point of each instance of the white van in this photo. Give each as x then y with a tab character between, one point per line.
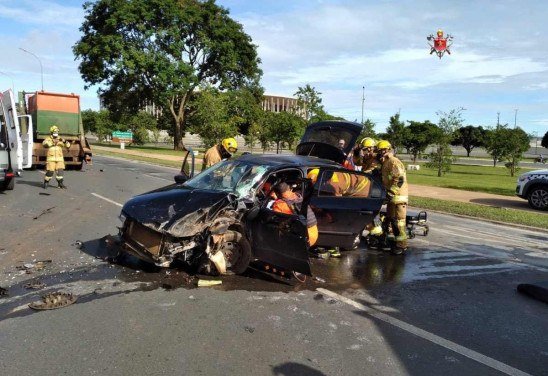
15	145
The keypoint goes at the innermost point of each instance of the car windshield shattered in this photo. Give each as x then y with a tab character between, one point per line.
232	176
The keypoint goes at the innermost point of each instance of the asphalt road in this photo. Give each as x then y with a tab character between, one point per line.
448	307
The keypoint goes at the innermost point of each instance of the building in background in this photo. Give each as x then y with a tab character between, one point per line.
276	103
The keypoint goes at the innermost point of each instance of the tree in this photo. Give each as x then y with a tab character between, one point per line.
544	142
395	132
100	123
495	142
517	143
209	116
282	128
368	130
469	137
442	157
139	124
161	51
418	135
310	102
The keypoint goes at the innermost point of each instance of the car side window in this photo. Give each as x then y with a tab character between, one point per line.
344	184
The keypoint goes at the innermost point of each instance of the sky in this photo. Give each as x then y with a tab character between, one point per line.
499	61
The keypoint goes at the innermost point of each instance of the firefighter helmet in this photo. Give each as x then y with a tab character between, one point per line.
368	142
383	145
54	129
313	174
230	145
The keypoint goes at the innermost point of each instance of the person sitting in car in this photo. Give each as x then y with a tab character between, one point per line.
288	202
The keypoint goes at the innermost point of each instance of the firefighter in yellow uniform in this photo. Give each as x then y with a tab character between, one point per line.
218	152
370	163
55	162
394	181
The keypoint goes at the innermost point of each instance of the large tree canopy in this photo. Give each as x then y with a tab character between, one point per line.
160	51
469	138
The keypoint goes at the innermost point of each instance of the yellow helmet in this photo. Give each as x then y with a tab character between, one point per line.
54	129
230	145
368	142
383	144
313	174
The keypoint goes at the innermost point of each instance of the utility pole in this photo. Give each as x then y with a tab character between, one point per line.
516	117
41	68
498	118
363	100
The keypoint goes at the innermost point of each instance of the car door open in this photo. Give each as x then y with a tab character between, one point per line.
344	202
187	168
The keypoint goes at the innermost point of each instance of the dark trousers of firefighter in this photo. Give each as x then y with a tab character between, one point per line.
395	215
58	175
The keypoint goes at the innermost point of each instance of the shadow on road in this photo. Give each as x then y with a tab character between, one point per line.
295	369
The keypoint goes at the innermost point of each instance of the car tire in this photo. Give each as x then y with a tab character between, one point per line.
10	185
538	197
237	252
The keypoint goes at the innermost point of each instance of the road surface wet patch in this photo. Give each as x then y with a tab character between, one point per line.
359	269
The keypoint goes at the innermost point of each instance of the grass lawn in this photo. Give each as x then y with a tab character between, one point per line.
521	217
469	178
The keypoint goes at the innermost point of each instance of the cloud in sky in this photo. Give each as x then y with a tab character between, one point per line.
498	61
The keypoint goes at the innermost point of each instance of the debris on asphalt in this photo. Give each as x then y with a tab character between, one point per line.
54	300
208	282
45	211
36	266
3	293
249	329
77	244
318	279
35	285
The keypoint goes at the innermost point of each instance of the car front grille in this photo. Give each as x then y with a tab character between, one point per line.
144	236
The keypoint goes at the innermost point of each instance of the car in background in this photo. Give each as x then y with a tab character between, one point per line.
533	186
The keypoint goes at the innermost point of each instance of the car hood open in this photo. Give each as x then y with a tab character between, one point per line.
163	208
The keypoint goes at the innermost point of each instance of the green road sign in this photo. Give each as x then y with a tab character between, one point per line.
123	135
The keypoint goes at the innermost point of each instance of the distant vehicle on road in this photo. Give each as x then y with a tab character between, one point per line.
533	186
15	141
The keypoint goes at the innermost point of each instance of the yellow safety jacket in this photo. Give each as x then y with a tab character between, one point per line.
212	156
394	179
370	164
55	148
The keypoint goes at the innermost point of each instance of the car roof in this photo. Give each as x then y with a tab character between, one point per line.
283	160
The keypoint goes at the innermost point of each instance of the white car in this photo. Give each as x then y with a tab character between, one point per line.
533	186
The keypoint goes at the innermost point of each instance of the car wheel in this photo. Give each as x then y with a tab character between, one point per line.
538	198
10	185
237	252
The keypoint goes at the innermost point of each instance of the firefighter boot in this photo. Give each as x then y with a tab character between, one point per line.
45	185
61	184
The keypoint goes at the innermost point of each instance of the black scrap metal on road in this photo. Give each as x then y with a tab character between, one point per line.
458	284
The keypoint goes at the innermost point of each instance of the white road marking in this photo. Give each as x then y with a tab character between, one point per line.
431	337
107	199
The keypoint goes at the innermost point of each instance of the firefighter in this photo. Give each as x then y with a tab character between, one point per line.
394	181
218	152
370	163
286	201
325	216
55	160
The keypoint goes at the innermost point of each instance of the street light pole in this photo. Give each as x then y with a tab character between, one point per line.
41	68
11	78
516	117
363	100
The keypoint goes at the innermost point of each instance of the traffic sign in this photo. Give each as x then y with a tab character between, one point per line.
118	136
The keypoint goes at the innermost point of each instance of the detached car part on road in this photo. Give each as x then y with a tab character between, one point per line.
533	186
220	220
